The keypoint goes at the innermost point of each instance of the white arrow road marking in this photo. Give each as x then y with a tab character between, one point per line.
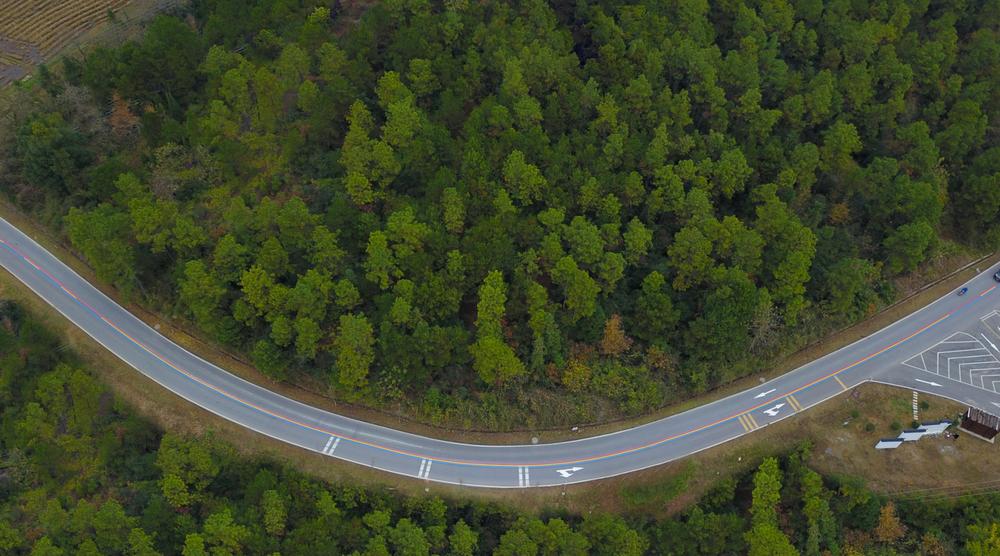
762	394
927	382
773	412
992	345
567	473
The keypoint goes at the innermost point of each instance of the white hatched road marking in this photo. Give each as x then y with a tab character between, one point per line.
923	364
967	360
988	341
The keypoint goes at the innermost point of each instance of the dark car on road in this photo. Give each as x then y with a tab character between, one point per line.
996	276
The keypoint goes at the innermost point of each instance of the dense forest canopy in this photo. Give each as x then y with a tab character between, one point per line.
461	204
81	474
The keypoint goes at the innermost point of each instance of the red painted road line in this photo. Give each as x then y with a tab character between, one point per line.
478	463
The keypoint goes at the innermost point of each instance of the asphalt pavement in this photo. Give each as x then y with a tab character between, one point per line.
949	348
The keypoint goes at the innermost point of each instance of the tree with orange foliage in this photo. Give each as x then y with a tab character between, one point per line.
122	120
614	342
889	528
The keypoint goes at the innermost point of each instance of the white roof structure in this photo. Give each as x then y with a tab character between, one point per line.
888	444
913	435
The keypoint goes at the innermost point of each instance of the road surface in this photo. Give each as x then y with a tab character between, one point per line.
949	348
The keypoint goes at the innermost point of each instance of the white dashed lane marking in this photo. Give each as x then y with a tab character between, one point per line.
425	469
331	445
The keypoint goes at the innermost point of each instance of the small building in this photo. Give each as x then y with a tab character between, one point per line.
980	424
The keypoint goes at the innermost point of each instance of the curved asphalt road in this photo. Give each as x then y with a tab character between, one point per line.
878	357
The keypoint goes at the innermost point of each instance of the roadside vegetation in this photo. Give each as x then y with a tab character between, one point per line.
81	473
500	214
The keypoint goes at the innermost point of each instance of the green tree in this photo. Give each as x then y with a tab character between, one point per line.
268	357
111	526
965	128
765	539
611	536
194	545
790	248
524	180
202	294
584	240
230	258
579	289
421	77
722	332
272	258
10	538
52	152
190	461
325	253
45	547
453	210
222	534
766	493
275	513
491	307
983	540
380	264
408	539
463	541
846	281
690	257
908	246
494	361
353	347
638	239
140	544
654	312
100	235
307	337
